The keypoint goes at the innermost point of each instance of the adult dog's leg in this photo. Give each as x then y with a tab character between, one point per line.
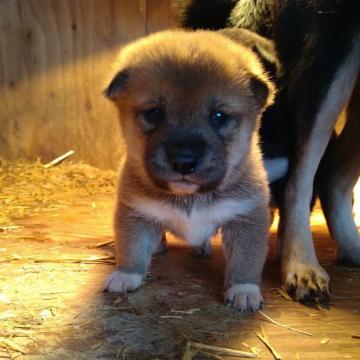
340	170
303	277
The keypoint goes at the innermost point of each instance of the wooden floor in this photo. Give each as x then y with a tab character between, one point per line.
52	306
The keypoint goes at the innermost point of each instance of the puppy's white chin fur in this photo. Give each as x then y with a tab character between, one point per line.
183	188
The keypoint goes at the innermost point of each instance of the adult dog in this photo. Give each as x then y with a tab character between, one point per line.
318	46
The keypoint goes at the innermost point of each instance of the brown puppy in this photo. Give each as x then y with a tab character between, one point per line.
189	105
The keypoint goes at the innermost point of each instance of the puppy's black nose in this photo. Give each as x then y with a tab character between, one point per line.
184	156
183	163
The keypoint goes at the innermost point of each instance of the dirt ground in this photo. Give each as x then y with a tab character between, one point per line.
52	305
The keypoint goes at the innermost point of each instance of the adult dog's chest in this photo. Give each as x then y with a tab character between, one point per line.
197	224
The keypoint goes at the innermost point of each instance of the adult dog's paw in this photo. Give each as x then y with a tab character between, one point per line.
306	282
244	297
121	282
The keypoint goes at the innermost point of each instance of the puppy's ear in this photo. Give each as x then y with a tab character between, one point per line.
263	91
117	85
268	58
262	47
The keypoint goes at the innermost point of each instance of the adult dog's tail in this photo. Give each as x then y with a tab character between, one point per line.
204	14
252	15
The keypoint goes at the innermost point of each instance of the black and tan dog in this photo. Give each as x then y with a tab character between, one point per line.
190	105
318	44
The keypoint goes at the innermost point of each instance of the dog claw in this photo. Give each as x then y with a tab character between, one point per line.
307	284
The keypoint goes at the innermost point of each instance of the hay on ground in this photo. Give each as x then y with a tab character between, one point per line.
27	187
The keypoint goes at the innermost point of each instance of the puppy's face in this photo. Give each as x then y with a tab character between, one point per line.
189	104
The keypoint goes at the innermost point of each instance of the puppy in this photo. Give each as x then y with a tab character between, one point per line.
189	106
318	46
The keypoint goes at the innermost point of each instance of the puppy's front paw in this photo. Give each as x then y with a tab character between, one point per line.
244	297
121	282
306	282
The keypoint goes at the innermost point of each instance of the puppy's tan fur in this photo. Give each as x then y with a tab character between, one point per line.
188	77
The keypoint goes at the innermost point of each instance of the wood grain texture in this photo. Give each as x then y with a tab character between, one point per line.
159	16
55	57
137	325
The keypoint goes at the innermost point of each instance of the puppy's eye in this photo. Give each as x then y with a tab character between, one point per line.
218	119
151	118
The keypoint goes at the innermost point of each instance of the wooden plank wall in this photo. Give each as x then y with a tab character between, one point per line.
55	57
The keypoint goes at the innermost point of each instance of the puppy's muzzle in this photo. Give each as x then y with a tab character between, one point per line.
185	155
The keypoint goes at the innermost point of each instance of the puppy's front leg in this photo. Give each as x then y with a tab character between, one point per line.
245	248
135	240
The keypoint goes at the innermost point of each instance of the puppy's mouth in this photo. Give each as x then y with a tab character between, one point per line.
193	178
183	186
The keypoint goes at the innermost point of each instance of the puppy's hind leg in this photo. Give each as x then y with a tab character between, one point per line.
340	169
135	241
303	277
161	247
245	247
203	250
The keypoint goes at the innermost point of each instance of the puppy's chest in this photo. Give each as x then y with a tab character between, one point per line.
195	227
198	224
